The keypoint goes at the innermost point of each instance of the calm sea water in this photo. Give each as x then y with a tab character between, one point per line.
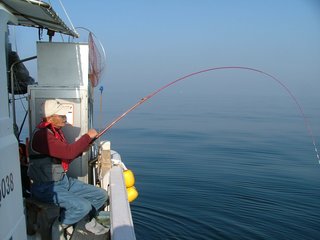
222	170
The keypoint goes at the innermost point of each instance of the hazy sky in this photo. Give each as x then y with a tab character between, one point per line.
162	40
150	43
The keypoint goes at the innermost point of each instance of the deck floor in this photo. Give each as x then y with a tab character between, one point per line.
80	233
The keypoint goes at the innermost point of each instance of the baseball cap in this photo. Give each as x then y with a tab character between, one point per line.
52	106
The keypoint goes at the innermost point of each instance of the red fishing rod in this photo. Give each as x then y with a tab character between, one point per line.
214	69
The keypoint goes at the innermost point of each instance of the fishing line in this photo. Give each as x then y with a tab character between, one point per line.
307	125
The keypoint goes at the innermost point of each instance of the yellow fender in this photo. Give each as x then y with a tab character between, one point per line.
132	193
130	181
128	178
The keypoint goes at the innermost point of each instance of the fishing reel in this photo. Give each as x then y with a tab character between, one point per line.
93	153
103	159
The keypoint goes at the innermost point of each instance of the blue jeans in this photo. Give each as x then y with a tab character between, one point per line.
75	197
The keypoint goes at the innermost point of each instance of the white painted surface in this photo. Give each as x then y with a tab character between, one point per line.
12	219
121	219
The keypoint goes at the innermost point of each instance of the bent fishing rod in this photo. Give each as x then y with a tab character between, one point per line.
144	99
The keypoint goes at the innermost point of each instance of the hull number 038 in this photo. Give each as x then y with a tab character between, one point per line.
6	186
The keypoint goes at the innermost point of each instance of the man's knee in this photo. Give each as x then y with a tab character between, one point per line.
104	193
83	206
75	211
101	198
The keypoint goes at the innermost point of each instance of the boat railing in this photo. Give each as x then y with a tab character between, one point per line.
121	219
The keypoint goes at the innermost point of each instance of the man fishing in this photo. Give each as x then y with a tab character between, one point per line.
50	157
